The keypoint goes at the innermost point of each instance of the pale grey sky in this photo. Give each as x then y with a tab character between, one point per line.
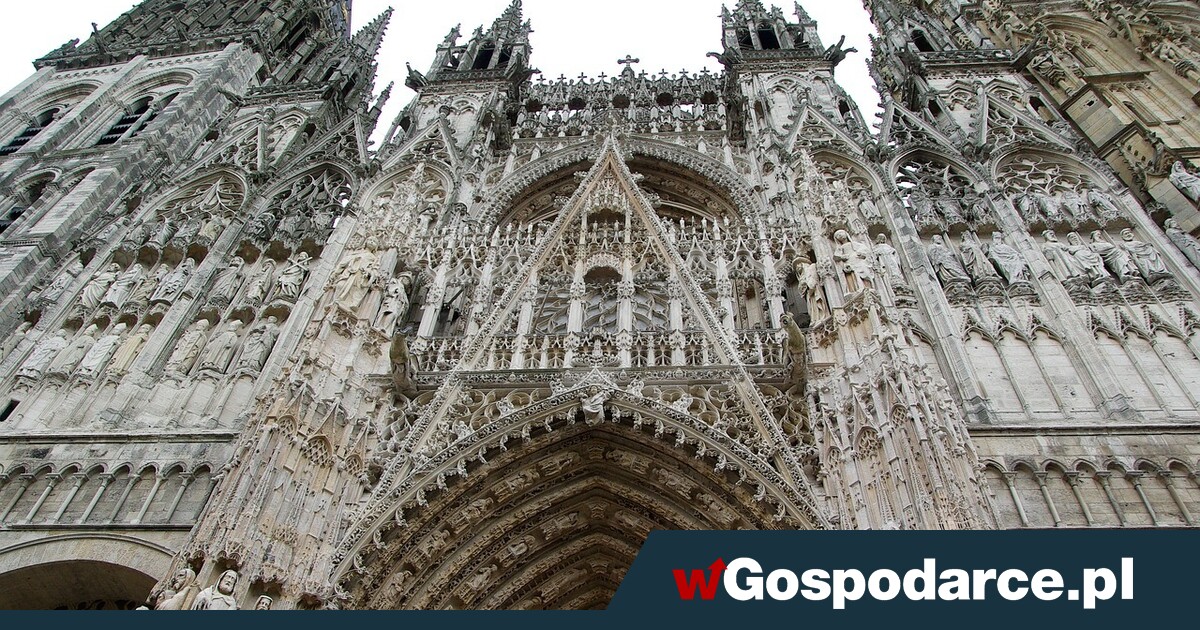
567	39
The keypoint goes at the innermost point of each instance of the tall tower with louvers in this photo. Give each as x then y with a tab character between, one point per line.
251	359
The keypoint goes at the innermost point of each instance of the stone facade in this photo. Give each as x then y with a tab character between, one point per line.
251	362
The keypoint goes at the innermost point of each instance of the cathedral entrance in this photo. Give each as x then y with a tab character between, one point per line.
553	523
74	585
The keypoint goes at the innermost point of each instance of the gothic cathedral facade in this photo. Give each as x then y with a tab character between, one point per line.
251	360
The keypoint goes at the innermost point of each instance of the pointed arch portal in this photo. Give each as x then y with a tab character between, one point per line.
555	520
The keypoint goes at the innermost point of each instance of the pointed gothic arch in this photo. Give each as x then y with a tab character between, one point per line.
557	489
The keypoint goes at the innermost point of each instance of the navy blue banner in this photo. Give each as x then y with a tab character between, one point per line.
984	579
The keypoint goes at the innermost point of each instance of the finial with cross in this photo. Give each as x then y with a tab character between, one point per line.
628	61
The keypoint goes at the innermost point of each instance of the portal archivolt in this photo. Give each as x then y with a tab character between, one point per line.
553	523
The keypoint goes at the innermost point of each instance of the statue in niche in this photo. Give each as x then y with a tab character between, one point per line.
945	263
15	339
975	260
354	279
1115	258
293	224
797	353
228	283
593	406
809	278
261	227
127	353
401	361
98	356
888	259
1072	206
1187	183
1050	208
54	292
868	209
1184	241
1145	258
1061	261
1008	260
291	279
1088	261
221	348
162	236
855	258
93	293
1027	208
66	362
220	596
396	303
190	230
119	291
260	284
258	345
212	229
263	603
43	354
922	209
189	348
173	284
183	587
141	295
1103	204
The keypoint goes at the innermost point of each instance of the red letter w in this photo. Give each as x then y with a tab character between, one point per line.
708	589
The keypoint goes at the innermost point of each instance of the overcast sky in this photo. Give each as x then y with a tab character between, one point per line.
567	40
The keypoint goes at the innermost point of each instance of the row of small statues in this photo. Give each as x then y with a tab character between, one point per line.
184	593
1101	261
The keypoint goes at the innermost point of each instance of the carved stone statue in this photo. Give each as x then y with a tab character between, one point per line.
1065	265
173	284
1144	257
835	54
855	258
1184	241
1115	258
120	290
868	209
43	353
263	603
797	354
401	360
66	362
395	304
354	280
1008	260
97	358
593	406
182	587
945	263
810	279
260	284
1103	204
1187	183
1089	262
55	291
888	259
291	279
220	596
221	348
258	345
228	283
95	290
189	348
975	260
128	351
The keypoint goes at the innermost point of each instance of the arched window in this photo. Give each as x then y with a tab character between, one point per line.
31	196
136	119
767	37
39	124
744	39
483	60
921	41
